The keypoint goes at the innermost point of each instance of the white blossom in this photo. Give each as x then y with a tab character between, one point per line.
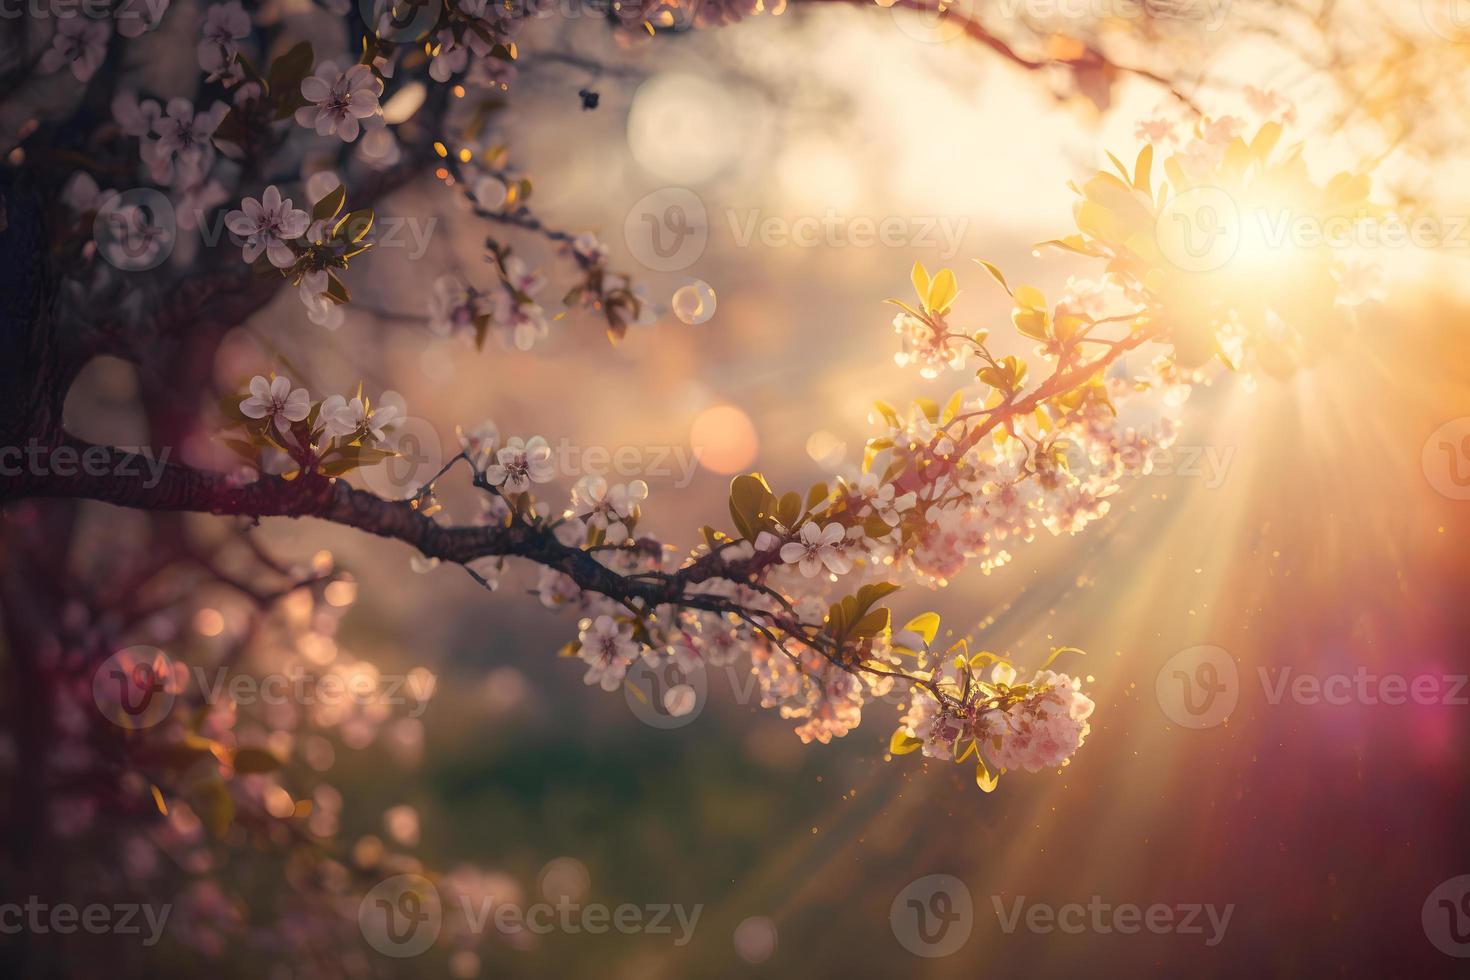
343	419
340	99
275	400
267	224
225	25
520	463
608	648
183	146
816	547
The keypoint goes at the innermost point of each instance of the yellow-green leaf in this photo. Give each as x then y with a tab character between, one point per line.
920	278
942	291
924	624
902	743
996	273
330	205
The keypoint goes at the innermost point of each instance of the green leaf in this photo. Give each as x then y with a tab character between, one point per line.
816	495
286	73
906	308
752	504
873	623
995	272
837	619
1058	651
331	205
788	511
873	591
354	225
337	290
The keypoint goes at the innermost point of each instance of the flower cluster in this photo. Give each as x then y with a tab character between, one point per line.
973	708
339	100
799	585
306	248
475	38
508	307
80	41
285	431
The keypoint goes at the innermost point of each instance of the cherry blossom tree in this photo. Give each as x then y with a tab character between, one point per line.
291	149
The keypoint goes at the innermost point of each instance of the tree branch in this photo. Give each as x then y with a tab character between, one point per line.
80	470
